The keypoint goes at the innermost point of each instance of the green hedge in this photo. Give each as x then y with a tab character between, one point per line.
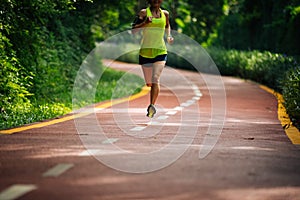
263	67
280	72
291	94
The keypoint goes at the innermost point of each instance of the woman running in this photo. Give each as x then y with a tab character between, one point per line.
153	53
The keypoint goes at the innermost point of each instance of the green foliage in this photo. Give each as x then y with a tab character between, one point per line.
116	84
291	94
197	19
263	67
277	71
14	79
113	84
42	46
43	43
111	17
264	25
205	16
27	112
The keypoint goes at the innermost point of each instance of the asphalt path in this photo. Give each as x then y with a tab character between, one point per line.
212	138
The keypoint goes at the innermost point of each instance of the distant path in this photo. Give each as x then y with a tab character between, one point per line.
253	157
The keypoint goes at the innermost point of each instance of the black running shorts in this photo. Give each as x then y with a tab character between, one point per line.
149	61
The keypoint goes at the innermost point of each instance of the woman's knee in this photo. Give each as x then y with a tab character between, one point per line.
155	79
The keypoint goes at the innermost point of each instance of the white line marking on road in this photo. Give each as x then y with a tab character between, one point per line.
162	117
58	170
138	128
98	152
195	87
89	152
178	108
121	110
196	98
184	104
110	140
188	103
251	148
198	94
191	101
98	109
16	191
154	123
171	112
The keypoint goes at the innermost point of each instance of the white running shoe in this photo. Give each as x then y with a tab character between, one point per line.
151	111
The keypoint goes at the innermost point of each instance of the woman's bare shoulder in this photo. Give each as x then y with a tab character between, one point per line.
143	13
166	12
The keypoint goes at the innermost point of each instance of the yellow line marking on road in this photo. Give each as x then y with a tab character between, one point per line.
145	90
291	131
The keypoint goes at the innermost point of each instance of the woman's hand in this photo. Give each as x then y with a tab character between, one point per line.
148	20
170	39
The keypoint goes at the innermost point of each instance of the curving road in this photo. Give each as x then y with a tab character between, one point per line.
212	138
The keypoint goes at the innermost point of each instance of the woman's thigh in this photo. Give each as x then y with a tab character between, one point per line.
147	71
157	69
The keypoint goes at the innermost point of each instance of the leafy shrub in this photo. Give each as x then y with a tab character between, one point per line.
291	94
113	84
263	67
27	112
277	71
14	79
42	46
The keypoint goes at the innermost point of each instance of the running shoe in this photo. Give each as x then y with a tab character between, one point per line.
151	111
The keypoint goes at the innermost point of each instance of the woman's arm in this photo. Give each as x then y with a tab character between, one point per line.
170	39
140	21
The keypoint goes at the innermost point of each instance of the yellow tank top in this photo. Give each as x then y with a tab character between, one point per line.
153	36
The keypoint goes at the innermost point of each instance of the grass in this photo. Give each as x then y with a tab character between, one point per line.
113	84
117	84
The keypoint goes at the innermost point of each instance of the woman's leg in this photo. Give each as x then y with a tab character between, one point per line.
152	76
156	72
147	71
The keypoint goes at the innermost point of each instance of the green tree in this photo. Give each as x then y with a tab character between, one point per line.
265	25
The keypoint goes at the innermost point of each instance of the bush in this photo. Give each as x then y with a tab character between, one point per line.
27	112
277	71
291	94
263	67
43	44
14	79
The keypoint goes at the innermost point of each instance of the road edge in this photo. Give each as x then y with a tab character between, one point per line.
291	131
102	105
